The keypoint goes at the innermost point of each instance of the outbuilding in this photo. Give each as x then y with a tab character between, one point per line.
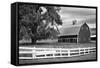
75	34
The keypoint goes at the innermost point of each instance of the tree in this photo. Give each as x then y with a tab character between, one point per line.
34	24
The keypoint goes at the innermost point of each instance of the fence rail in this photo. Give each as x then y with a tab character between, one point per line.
35	53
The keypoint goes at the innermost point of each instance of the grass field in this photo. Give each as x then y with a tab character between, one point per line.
77	58
60	45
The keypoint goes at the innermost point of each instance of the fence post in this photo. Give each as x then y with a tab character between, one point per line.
33	53
60	52
79	51
84	51
54	52
88	50
68	52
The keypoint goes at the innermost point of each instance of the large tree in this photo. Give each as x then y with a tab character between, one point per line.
35	23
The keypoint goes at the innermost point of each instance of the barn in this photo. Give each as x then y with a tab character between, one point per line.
75	34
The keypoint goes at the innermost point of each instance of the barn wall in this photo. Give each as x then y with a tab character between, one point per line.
84	34
68	39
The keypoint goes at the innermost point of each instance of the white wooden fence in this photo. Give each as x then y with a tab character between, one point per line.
35	53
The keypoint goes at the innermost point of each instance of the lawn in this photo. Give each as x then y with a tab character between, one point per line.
77	58
59	45
91	56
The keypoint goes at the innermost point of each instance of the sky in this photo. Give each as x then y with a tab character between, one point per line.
68	14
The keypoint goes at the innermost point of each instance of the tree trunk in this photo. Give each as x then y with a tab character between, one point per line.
33	41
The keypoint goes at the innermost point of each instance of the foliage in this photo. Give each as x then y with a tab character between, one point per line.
36	25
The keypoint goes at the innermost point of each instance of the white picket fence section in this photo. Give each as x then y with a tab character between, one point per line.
35	53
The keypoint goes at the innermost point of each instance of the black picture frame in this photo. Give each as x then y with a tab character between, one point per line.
15	32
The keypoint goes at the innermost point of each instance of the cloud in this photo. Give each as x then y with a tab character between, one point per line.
68	14
73	11
90	20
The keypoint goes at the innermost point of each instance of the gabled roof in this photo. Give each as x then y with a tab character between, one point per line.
70	30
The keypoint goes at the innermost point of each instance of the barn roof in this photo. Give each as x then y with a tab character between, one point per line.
70	30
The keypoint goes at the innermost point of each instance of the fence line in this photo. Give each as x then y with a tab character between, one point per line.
35	53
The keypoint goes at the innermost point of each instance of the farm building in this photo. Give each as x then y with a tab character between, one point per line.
93	34
75	34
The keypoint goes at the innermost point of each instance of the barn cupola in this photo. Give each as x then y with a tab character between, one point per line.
74	22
